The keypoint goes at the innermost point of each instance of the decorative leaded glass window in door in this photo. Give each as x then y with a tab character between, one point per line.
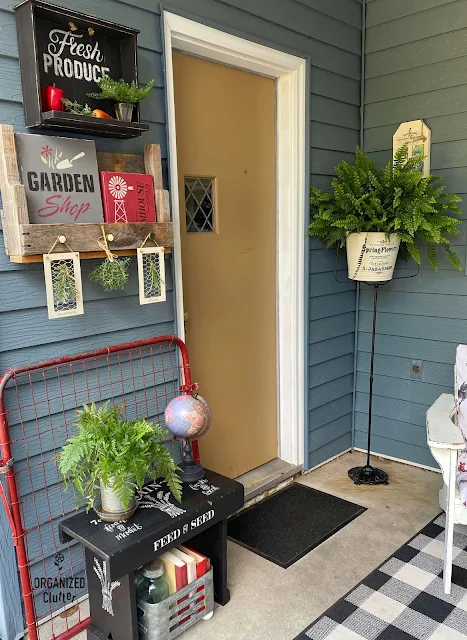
199	204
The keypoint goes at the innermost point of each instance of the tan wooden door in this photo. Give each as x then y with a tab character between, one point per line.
225	121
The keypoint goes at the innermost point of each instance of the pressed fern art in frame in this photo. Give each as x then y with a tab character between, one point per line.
62	273
151	275
396	200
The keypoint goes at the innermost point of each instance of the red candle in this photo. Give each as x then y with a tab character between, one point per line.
52	99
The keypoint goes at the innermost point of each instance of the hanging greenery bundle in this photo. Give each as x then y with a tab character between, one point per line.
112	274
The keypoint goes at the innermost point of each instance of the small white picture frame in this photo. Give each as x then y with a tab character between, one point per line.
417	136
151	275
56	267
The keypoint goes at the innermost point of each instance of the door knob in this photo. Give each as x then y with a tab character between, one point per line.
185	316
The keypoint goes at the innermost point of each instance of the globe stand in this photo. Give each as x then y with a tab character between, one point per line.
191	471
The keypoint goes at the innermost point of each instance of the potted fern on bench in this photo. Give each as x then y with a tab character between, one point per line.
374	212
116	456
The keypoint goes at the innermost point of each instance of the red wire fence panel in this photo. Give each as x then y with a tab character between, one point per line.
38	407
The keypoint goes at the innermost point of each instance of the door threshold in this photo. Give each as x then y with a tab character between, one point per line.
267	476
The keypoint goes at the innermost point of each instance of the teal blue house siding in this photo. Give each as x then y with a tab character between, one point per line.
415	69
26	334
330	37
328	34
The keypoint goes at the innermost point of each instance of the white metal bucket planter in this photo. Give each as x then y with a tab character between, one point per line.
371	256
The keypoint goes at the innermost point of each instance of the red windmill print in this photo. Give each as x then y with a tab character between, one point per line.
118	189
128	197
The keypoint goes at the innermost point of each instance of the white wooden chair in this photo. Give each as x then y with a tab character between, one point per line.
445	440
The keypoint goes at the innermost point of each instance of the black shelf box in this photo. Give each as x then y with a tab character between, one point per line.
61	47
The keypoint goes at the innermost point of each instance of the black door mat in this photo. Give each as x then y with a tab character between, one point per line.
291	523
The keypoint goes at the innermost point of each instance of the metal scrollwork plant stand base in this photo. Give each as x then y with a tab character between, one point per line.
368	474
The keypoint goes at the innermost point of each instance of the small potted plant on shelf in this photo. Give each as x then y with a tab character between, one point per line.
125	94
374	212
116	456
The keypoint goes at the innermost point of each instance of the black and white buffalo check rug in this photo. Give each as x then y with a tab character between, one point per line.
404	598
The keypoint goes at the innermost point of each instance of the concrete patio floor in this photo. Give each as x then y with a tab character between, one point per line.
268	602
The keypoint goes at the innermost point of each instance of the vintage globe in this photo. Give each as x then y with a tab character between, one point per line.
208	409
187	416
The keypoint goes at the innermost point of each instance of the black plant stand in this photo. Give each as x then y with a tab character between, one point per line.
369	474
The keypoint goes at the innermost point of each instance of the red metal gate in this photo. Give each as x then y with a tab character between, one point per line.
37	411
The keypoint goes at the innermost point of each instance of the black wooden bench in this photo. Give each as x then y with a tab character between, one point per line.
114	551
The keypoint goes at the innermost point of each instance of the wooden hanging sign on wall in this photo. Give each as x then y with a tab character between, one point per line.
417	136
26	242
63	54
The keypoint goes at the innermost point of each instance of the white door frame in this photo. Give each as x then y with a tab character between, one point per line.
290	71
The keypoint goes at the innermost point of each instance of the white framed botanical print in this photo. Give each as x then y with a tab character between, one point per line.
151	275
417	136
62	272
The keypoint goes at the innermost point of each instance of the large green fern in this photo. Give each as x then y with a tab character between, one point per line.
396	199
109	448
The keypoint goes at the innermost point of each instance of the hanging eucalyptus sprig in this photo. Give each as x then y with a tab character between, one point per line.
64	285
112	274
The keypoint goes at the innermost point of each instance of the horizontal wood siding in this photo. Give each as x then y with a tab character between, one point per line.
329	34
415	68
26	334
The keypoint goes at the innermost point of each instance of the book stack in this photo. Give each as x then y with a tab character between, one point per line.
182	566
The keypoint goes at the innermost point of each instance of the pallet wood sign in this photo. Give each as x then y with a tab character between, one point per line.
63	54
26	241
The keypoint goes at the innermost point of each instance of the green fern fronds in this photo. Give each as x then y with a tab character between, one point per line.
119	452
396	199
121	91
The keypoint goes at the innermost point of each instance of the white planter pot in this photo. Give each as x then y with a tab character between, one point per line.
371	257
